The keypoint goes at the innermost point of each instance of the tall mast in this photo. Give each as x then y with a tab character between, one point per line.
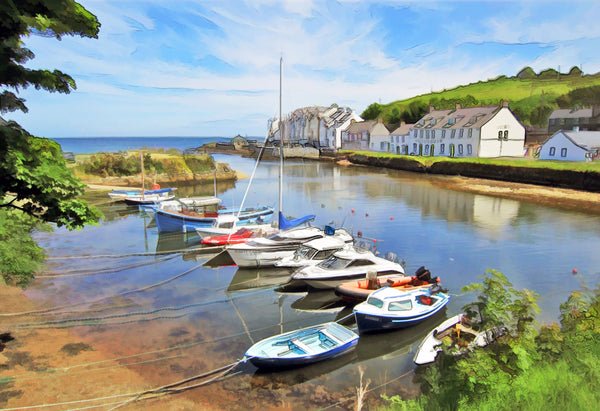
142	164
281	132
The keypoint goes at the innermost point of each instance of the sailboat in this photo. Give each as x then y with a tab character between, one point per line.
265	252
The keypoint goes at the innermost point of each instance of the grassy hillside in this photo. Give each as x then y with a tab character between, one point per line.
531	96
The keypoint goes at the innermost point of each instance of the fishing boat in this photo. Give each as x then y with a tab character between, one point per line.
457	333
390	308
303	347
193	212
228	224
347	264
265	252
354	292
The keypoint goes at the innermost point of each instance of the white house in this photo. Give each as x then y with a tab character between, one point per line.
492	131
399	139
379	138
572	146
333	122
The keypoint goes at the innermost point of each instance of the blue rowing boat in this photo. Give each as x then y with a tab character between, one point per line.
302	347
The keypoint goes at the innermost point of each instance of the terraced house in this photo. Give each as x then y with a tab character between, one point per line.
491	131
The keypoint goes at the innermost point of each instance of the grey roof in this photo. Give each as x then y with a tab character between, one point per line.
584	139
572	113
403	130
470	117
360	126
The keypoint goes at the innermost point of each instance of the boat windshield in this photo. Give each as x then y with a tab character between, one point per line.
404	305
376	302
304	252
334	263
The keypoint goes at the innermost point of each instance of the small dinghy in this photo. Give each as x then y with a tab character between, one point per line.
303	347
354	292
389	308
457	332
243	235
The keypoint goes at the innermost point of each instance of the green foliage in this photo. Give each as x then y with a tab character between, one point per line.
371	112
34	178
526	73
47	17
525	369
200	163
20	256
119	164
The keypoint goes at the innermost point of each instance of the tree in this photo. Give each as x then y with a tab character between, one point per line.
34	179
372	112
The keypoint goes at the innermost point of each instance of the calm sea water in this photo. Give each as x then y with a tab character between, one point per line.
87	145
190	318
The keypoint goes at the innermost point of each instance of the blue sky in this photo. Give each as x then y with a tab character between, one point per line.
211	68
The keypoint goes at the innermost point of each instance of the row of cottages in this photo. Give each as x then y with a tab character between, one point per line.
492	131
572	145
317	126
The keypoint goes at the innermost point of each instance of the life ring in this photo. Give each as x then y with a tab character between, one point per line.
155	186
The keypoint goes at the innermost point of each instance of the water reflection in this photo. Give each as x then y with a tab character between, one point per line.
205	317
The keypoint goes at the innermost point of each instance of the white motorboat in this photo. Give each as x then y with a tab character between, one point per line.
347	264
313	252
459	334
391	308
229	224
265	252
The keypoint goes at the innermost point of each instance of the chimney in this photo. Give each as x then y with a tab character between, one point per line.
504	103
458	106
431	109
402	123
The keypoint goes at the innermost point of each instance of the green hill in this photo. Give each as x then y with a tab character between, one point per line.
531	96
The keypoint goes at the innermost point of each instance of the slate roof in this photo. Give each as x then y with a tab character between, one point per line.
470	117
584	139
570	113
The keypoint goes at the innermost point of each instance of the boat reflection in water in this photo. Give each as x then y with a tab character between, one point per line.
373	349
189	244
257	278
319	300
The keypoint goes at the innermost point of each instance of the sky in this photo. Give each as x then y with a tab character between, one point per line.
211	68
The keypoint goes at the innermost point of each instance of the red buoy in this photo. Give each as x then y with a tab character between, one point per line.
366	214
392	218
155	186
352	210
574	270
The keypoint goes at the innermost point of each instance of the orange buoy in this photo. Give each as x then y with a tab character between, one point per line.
366	214
391	218
574	270
374	240
359	233
155	186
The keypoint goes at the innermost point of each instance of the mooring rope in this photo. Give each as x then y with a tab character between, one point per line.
140	254
109	270
102	298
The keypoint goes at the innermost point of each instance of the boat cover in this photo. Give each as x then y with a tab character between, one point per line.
284	223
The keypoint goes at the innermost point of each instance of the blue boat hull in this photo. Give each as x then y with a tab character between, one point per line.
369	323
174	222
278	363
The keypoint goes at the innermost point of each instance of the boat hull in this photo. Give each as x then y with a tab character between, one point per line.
168	221
302	347
246	258
368	323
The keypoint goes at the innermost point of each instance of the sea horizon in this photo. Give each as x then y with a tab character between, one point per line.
89	145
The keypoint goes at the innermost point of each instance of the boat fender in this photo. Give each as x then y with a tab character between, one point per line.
425	300
155	186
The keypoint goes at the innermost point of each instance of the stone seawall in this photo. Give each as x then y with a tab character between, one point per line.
577	180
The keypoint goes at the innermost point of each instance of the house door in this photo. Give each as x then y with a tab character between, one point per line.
451	150
420	149
431	151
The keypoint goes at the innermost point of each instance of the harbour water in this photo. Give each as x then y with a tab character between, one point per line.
132	299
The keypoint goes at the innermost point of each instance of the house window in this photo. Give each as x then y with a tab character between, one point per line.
552	151
469	149
382	146
461	132
563	152
415	133
391	139
426	149
442	148
372	146
432	133
398	139
421	134
460	149
415	147
452	133
470	132
426	133
506	134
443	133
500	135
